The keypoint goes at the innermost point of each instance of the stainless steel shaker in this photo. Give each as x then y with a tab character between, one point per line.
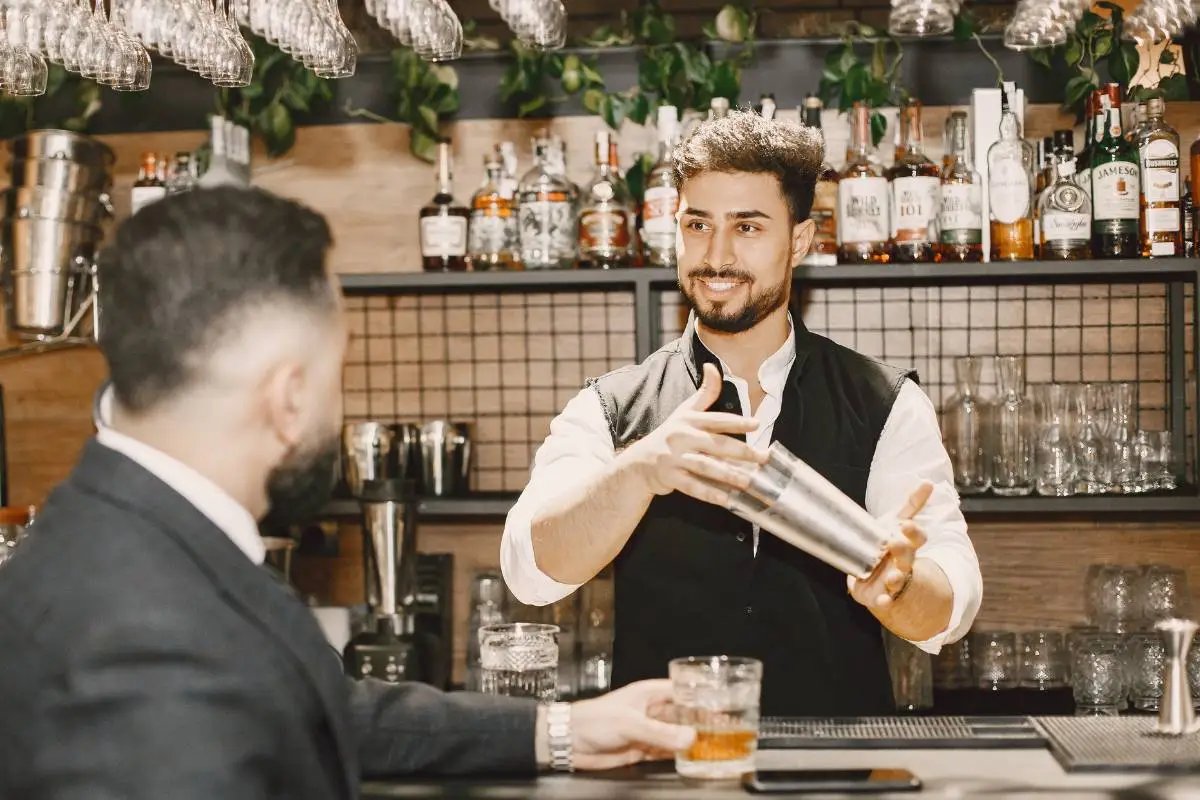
791	500
445	458
366	453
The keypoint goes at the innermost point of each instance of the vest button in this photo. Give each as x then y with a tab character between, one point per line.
749	610
729	406
741	537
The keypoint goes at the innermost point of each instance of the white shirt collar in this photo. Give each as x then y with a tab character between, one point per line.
209	499
773	372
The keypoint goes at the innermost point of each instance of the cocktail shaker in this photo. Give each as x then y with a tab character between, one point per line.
794	502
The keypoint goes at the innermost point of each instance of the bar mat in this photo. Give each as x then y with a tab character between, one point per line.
1101	744
911	733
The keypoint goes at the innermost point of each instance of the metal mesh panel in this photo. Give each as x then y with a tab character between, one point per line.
506	363
1117	743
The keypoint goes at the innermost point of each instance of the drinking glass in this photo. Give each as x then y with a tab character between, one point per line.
719	697
994	660
519	659
1012	455
1146	658
1075	635
1043	660
1116	605
952	666
1162	593
1091	449
1156	472
1055	454
1122	401
964	426
1098	675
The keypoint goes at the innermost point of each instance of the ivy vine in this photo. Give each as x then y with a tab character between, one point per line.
533	78
69	103
848	78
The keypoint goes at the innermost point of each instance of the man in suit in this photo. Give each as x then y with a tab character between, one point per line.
146	653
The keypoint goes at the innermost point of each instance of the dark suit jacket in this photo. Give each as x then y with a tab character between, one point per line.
142	655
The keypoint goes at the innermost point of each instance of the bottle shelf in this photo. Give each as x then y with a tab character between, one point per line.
1138	270
1186	500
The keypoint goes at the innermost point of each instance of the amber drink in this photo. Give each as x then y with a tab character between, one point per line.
719	697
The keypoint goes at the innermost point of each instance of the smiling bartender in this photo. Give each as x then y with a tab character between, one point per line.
636	468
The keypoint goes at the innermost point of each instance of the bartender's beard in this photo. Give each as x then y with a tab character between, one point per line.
300	486
725	317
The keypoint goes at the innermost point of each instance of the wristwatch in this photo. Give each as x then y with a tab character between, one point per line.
558	737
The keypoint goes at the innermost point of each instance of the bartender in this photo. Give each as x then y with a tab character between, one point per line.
637	467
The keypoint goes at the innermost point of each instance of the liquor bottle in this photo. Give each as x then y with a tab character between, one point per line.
718	108
222	169
1158	154
1137	125
766	106
493	237
444	222
824	247
915	183
662	197
149	186
1188	212
948	141
960	210
1063	142
1045	160
183	174
1083	160
1115	187
863	220
606	215
1010	190
1066	214
506	152
546	213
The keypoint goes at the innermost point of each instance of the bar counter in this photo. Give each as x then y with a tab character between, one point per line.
1009	774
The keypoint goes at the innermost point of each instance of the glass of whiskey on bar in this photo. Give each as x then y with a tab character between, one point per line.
719	697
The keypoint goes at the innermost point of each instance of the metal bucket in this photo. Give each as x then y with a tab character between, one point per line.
45	263
63	176
42	203
63	146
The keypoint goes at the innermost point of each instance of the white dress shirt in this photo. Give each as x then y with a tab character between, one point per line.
209	499
909	450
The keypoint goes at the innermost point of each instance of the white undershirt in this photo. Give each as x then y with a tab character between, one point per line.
909	450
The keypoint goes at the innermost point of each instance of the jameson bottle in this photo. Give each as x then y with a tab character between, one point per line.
960	210
915	181
863	221
825	197
1116	186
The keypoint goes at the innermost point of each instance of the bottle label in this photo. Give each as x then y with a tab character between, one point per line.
824	213
1115	192
492	232
1188	227
960	216
863	210
547	228
1009	192
658	211
142	196
1083	179
443	236
1162	220
603	231
1160	171
1066	226
914	208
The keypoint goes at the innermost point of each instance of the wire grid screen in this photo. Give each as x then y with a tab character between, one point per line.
1067	334
504	363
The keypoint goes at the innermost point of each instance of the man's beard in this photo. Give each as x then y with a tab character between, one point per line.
719	317
302	484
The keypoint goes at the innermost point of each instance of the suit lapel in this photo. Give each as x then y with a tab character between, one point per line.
122	482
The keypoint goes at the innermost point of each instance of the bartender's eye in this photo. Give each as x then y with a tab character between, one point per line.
697	225
746	227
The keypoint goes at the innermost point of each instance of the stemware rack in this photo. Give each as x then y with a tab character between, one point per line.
508	349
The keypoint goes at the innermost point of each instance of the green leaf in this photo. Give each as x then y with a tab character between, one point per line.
1167	56
277	129
1041	56
878	128
590	73
638	110
1123	63
1102	45
964	26
612	110
251	92
423	146
593	100
726	81
527	107
1088	22
429	119
696	64
1076	90
1173	87
855	85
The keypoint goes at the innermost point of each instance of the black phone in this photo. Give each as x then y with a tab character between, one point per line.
822	781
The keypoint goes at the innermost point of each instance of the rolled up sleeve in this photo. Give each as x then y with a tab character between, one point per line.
578	448
910	450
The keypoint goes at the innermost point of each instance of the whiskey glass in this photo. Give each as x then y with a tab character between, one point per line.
1043	660
994	660
1161	592
719	697
1146	656
1098	678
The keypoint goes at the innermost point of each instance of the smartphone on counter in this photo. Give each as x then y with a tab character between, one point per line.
825	781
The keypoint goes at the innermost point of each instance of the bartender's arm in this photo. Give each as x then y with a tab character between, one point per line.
584	500
929	587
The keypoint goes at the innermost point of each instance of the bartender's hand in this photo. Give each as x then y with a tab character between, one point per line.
694	451
887	583
620	728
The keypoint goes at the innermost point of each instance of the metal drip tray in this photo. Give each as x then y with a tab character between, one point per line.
911	733
1100	744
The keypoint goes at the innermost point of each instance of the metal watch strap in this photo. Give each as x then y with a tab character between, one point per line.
558	735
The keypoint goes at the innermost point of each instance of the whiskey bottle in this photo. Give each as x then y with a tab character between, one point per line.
1066	214
493	237
546	212
606	214
960	210
1115	187
662	197
183	174
718	108
506	152
1083	161
915	182
1188	212
1158	156
444	222
863	220
766	106
824	247
149	185
1010	190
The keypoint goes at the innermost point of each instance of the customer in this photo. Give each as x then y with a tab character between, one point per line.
146	654
638	467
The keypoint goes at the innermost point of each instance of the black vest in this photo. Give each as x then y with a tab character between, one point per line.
688	582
